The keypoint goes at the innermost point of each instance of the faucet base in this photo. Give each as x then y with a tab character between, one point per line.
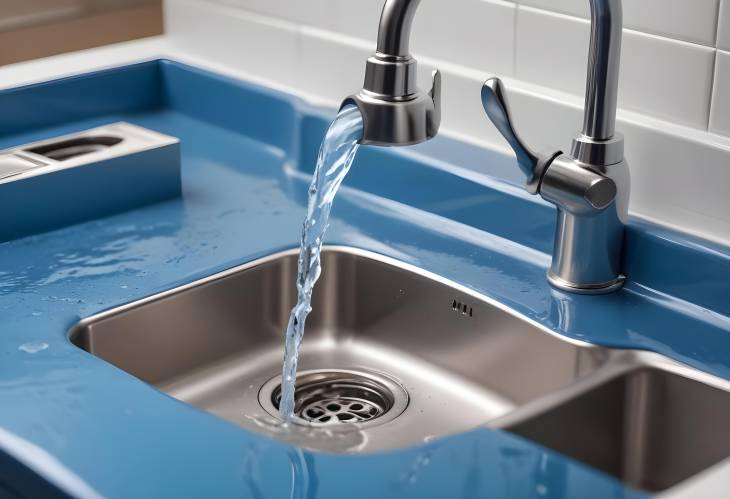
586	289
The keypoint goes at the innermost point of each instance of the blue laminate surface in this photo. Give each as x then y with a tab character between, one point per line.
246	157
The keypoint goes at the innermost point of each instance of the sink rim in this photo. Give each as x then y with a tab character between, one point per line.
78	328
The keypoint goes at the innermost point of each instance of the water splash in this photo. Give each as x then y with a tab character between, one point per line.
334	161
345	438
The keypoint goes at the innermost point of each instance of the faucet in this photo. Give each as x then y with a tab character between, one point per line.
590	186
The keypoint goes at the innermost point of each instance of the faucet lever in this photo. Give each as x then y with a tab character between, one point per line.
532	164
435	95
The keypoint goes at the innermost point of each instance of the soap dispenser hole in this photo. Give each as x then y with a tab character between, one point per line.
67	149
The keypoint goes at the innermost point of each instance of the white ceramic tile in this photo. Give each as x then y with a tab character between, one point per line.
330	68
551	50
689	20
358	18
311	12
474	33
230	36
668	79
723	26
720	114
659	76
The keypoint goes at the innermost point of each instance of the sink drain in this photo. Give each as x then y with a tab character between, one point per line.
339	396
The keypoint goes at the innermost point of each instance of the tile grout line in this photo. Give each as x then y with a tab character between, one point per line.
720	7
573	17
713	82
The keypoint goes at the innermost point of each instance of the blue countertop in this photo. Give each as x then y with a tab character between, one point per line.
247	154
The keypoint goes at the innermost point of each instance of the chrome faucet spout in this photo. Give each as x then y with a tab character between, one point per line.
395	112
599	122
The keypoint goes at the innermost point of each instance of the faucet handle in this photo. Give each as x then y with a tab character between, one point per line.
532	164
435	94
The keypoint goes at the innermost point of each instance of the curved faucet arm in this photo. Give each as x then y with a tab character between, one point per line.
395	27
599	121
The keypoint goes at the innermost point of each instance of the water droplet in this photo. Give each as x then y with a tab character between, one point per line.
33	347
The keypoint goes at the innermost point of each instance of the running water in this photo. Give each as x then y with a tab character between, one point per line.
334	161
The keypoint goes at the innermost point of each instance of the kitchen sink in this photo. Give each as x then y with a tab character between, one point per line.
394	356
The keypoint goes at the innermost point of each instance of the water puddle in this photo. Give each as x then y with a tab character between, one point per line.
335	158
33	347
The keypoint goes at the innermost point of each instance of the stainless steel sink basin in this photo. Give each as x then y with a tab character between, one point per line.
401	356
649	426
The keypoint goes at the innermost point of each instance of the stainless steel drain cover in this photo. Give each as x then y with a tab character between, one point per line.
340	396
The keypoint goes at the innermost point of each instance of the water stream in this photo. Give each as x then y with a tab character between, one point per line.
335	158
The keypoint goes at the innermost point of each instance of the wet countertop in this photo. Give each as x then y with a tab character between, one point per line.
92	429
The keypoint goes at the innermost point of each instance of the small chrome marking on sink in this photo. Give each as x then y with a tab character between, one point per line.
462	308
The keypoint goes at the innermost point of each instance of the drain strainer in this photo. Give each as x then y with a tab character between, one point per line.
340	396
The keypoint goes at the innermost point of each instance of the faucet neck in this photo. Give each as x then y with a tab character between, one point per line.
395	27
603	69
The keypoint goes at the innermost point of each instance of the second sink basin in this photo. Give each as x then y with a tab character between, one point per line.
402	356
648	426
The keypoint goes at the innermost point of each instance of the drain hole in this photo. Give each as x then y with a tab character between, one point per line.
314	413
330	397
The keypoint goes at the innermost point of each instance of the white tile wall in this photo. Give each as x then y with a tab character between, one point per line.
356	18
662	77
674	95
474	35
237	38
723	27
313	12
689	20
